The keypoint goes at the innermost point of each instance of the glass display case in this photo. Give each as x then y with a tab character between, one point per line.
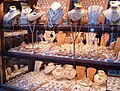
54	49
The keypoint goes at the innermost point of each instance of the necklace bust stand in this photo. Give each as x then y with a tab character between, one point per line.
77	13
10	17
70	72
36	14
60	38
13	12
49	68
91	73
25	11
100	78
58	72
104	39
113	13
80	72
49	36
55	13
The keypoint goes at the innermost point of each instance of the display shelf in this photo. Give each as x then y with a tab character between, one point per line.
66	60
56	59
62	60
67	27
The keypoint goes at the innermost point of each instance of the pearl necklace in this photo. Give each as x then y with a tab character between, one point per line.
70	73
58	72
100	79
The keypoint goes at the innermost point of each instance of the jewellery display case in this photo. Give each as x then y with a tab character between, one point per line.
57	56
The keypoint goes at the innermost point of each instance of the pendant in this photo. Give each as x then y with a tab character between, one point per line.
51	35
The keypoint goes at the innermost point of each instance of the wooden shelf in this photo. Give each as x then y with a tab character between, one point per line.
64	60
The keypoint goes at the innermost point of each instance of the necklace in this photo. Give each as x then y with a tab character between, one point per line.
58	72
70	73
52	29
54	17
50	35
94	12
100	79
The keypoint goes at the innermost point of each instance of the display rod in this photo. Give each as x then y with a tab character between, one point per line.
32	31
74	37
